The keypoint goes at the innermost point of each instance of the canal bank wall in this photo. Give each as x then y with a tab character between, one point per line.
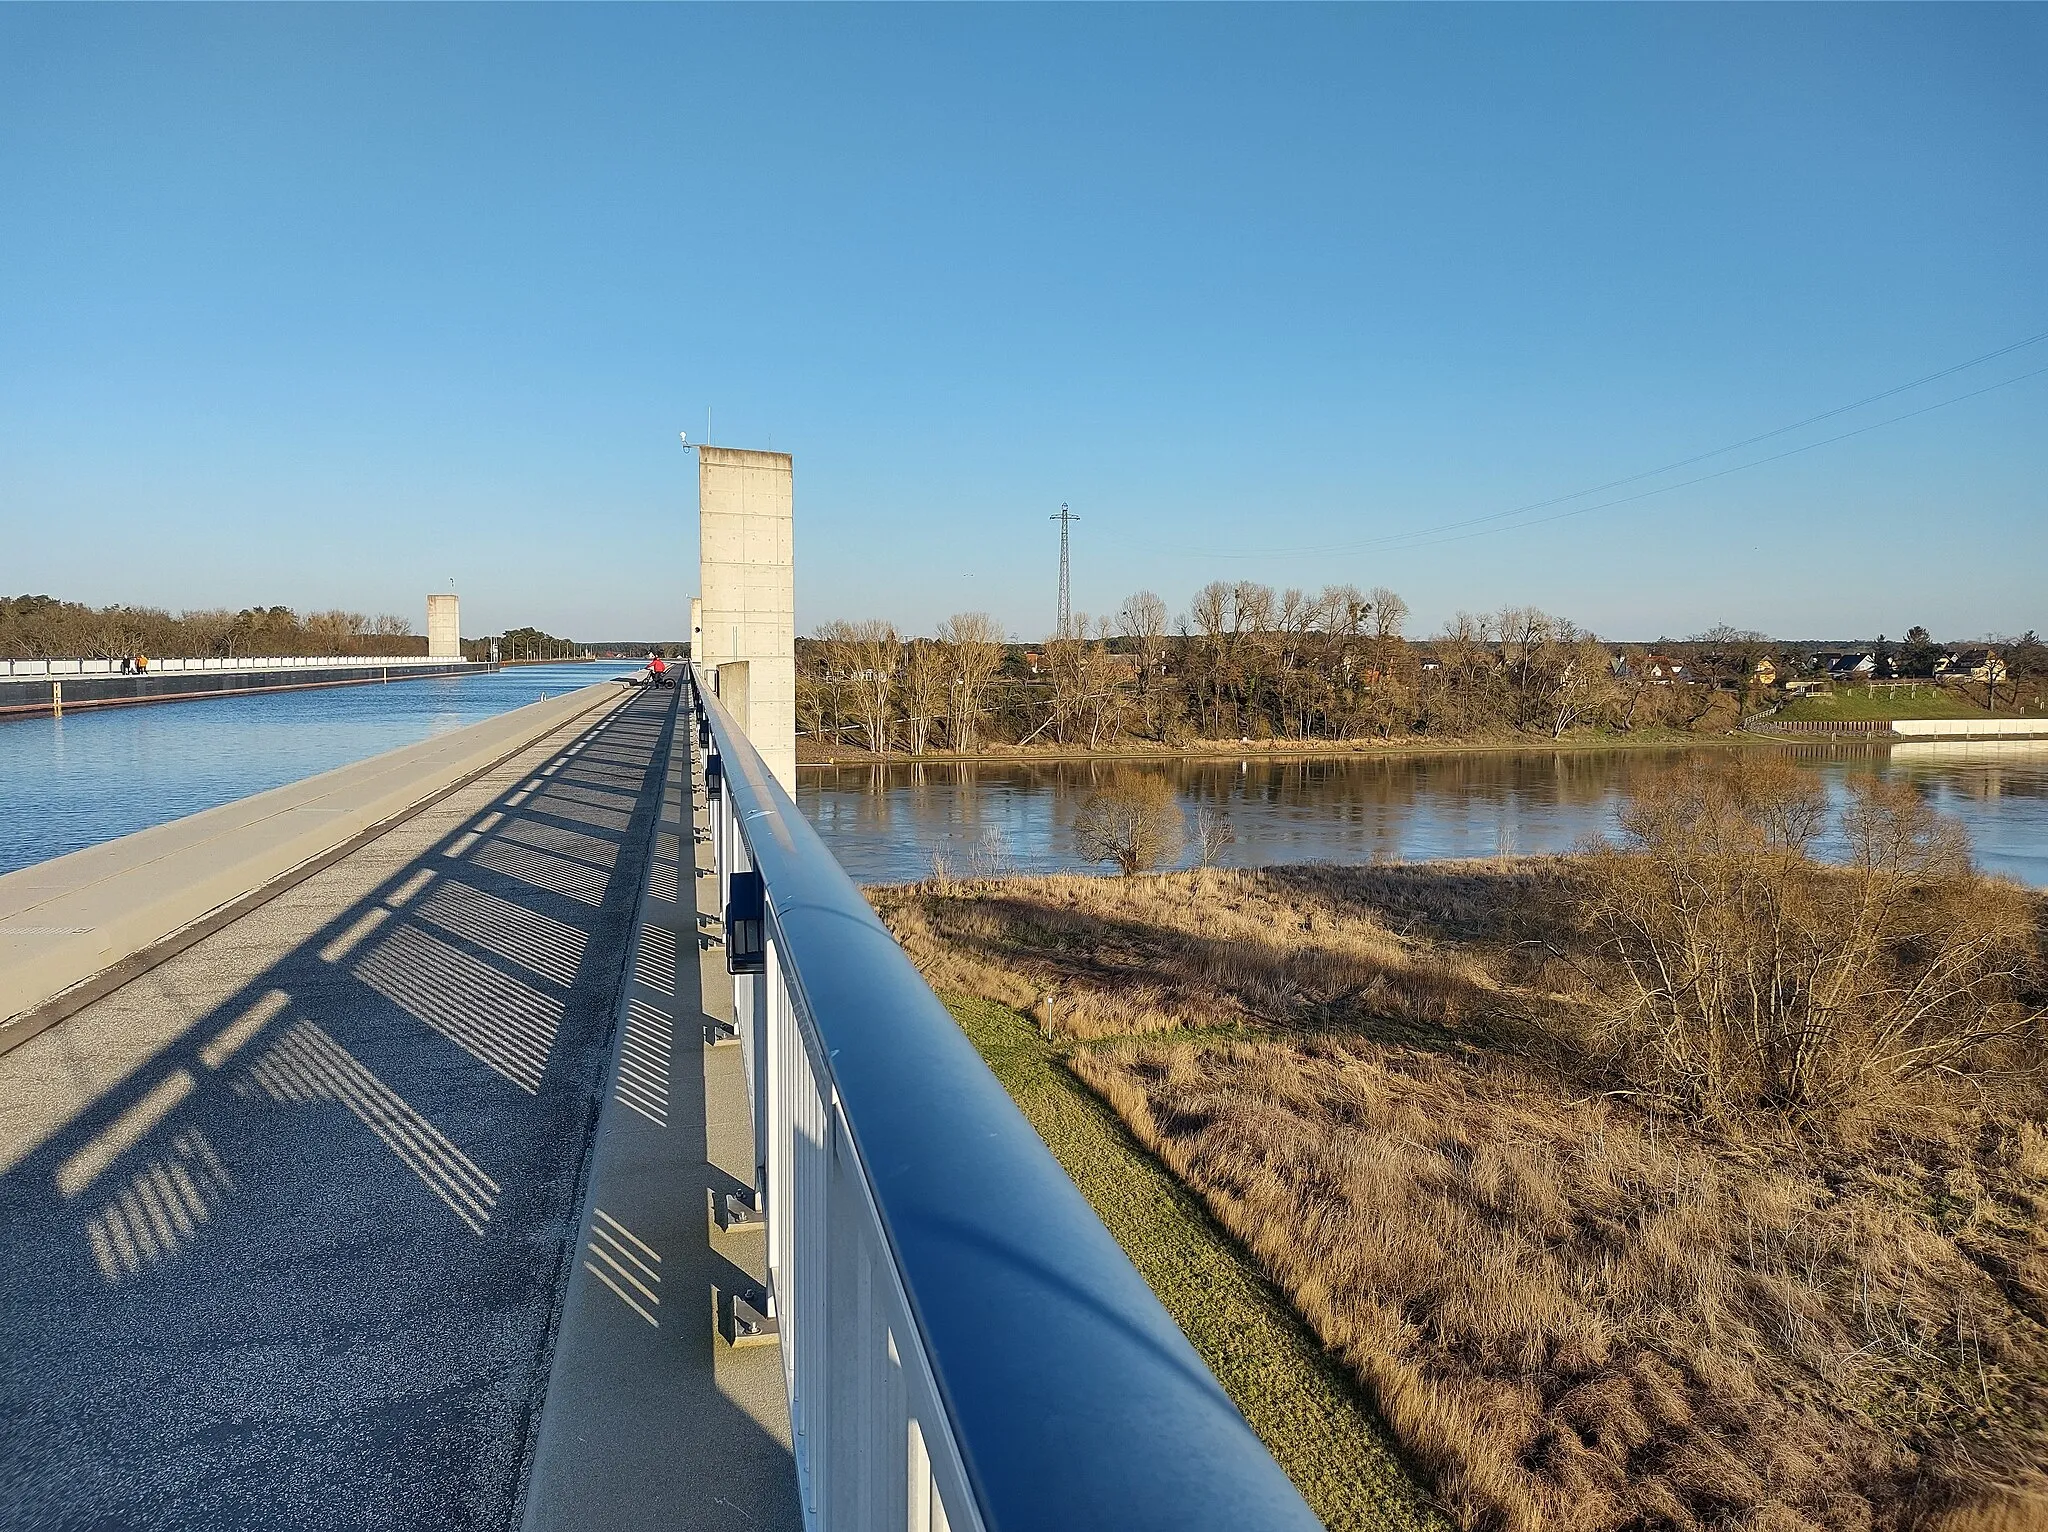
75	689
78	926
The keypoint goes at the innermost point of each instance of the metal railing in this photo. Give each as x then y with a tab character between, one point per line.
963	1343
38	669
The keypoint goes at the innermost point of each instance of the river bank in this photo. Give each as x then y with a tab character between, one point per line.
810	753
1568	1304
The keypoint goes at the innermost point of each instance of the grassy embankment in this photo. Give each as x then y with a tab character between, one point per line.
1304	1407
1571	1309
1925	701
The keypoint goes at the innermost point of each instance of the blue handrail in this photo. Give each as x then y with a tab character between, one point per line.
1073	1399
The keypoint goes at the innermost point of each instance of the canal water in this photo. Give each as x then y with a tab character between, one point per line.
888	823
71	782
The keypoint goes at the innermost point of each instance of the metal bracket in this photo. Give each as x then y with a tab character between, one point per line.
751	1324
735	1211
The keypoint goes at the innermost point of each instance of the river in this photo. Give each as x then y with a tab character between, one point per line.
92	775
887	823
71	782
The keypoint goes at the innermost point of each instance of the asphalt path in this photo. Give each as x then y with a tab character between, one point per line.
285	1222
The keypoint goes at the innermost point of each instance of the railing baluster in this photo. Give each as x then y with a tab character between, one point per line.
953	1291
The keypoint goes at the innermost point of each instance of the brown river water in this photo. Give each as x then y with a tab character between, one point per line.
886	823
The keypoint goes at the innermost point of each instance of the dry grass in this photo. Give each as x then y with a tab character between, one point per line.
1573	1311
1302	1401
1089	958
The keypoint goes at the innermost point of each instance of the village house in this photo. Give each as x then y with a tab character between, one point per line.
1849	665
1976	664
1657	669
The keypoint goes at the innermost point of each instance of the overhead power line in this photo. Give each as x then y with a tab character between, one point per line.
1455	531
1424	539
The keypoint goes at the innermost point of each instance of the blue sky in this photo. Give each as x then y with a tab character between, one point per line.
329	305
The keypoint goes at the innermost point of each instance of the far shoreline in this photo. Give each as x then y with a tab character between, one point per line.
1302	750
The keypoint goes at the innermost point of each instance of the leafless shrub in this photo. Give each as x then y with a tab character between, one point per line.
1133	820
1753	974
991	856
1214	834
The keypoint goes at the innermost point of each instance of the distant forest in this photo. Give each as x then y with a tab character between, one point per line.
1247	662
43	628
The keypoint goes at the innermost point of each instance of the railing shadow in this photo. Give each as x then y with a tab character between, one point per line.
302	1264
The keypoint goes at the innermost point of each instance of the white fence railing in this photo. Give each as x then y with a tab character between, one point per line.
37	669
964	1345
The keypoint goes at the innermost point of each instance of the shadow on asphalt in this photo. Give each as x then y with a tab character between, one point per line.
302	1268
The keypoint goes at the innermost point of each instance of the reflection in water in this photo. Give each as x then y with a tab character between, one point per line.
886	823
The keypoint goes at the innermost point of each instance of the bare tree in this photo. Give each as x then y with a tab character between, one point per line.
926	678
865	655
1143	621
1389	611
1576	676
975	644
1133	820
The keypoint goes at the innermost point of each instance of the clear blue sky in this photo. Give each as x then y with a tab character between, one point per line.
327	305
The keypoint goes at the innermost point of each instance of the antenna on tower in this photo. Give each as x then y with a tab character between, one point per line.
1065	518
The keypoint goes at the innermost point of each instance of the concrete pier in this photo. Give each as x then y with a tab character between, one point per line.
743	626
286	1222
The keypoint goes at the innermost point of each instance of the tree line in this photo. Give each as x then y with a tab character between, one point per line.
1246	662
43	627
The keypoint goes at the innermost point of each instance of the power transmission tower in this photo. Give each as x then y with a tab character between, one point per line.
1065	518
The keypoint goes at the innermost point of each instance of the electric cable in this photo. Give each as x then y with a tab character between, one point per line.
1435	534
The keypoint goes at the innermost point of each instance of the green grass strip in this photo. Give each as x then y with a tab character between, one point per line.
1307	1411
1845	706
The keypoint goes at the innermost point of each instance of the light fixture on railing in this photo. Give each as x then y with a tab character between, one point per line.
746	924
714	778
703	731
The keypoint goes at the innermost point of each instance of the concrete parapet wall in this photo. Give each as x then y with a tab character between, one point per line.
70	920
235	663
1971	728
99	688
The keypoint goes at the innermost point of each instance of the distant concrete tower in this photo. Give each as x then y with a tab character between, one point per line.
747	620
444	627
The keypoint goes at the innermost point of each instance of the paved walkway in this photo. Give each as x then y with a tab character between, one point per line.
284	1223
652	1420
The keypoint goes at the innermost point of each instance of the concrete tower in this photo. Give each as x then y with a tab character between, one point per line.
444	627
747	576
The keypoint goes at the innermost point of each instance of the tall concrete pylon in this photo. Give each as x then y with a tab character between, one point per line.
747	573
444	627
